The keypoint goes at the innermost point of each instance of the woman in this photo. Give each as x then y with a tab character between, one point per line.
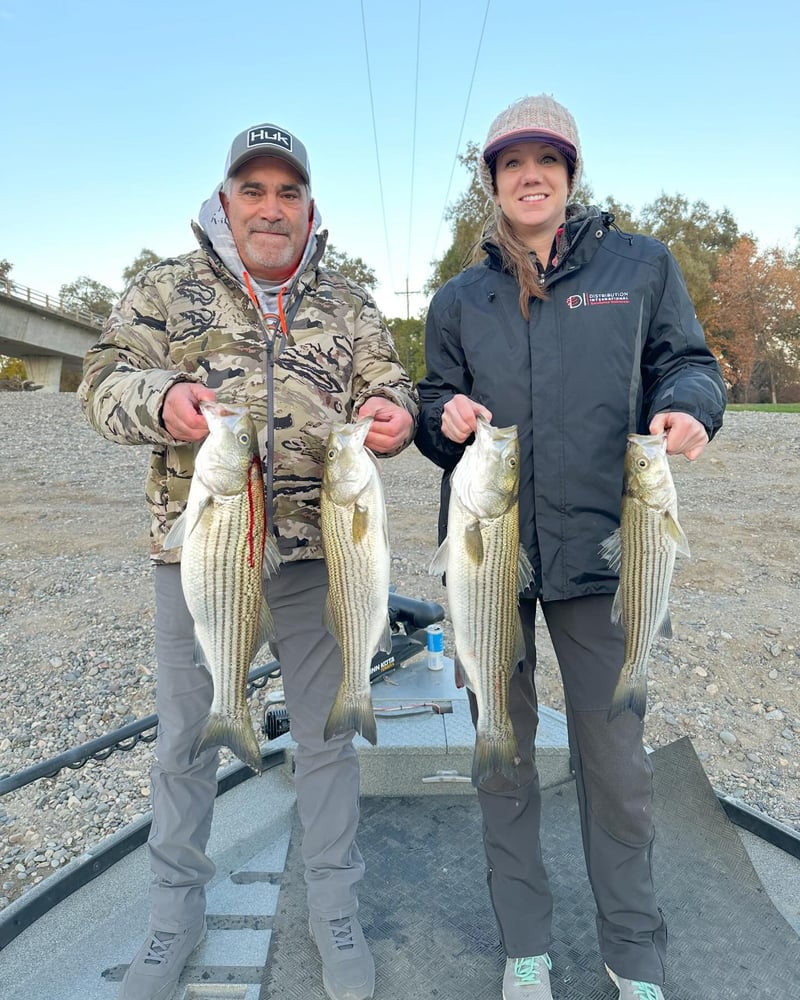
578	334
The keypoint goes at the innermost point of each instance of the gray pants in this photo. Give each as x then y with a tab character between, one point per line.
326	773
614	783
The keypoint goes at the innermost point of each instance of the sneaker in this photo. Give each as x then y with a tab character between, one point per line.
348	971
157	967
527	978
632	989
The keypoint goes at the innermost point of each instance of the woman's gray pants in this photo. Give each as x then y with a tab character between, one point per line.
613	778
326	773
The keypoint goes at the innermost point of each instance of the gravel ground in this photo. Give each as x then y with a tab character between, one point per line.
76	620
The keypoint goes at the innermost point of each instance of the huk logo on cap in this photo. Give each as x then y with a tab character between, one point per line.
269	137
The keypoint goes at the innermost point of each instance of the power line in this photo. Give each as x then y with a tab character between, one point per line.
414	142
461	130
408	294
375	136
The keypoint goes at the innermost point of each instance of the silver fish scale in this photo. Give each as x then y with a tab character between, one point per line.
645	577
224	591
484	609
358	577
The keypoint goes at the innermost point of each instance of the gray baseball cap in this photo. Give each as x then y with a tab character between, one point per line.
268	140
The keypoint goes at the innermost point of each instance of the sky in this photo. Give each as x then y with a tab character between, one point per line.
117	116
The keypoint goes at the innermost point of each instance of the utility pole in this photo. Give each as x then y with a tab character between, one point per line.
408	294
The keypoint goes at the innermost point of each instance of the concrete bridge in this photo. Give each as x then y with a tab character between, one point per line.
46	333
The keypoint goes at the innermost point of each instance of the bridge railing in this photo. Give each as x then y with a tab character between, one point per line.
51	303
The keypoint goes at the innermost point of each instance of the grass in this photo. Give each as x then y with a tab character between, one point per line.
766	407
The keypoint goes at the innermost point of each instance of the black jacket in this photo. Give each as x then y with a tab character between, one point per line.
616	341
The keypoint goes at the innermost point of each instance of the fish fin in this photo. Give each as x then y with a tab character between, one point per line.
439	561
272	557
200	658
611	550
473	543
385	644
665	628
360	523
235	733
519	646
630	692
352	711
496	756
676	533
266	628
524	570
616	607
176	533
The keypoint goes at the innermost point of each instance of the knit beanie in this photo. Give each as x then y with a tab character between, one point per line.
533	119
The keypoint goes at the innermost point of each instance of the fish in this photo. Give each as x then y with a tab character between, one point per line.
227	555
486	568
355	540
643	550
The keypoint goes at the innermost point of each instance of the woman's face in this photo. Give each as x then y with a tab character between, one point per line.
531	188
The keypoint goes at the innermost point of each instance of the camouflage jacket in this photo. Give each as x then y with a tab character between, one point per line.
187	319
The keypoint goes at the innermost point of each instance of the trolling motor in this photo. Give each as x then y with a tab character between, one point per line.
408	620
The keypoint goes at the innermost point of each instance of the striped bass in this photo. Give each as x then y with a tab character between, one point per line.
486	568
355	538
225	552
642	550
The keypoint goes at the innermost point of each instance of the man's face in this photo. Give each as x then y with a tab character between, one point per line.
269	210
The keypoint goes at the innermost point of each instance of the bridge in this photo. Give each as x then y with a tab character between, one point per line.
49	335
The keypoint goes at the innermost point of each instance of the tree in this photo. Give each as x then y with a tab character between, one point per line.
5	269
468	215
353	268
142	260
86	293
696	237
409	339
754	323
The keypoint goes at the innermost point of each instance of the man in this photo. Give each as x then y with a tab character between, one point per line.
253	316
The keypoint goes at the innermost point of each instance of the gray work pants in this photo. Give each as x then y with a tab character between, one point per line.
326	773
614	783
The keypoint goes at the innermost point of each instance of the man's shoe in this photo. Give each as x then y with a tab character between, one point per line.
154	972
632	989
527	978
348	970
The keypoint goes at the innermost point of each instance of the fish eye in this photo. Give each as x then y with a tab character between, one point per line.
331	453
244	438
642	463
512	462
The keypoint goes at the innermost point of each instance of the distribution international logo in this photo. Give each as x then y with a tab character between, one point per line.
598	299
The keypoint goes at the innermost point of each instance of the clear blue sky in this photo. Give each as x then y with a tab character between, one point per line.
116	116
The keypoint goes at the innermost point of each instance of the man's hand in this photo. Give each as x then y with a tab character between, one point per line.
460	417
181	411
391	425
685	435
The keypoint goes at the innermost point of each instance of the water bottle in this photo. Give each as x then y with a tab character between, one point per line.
435	647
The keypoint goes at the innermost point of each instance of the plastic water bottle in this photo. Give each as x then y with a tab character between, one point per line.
435	647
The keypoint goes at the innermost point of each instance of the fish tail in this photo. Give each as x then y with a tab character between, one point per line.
630	693
495	755
352	712
236	734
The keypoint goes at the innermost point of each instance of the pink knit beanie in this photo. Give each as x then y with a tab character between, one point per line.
533	119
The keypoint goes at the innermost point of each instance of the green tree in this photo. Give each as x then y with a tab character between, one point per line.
142	260
697	237
467	217
5	269
353	268
86	293
12	369
409	339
